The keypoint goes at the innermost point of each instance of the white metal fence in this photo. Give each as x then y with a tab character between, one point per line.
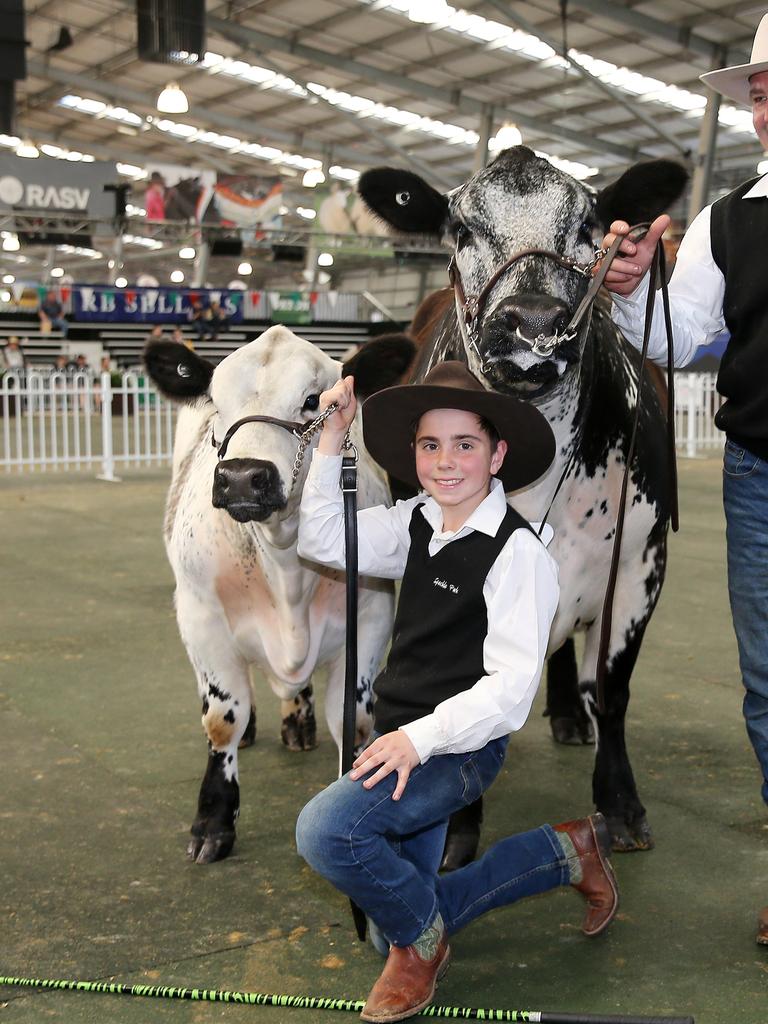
75	421
60	421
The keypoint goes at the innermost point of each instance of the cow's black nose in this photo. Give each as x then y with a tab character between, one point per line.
246	484
532	315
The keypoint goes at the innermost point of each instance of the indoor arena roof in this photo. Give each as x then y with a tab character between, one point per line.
285	84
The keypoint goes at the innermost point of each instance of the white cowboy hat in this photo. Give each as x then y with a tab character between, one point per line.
734	82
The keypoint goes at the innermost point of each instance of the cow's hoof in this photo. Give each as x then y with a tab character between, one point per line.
630	838
299	732
460	850
573	732
207	849
249	736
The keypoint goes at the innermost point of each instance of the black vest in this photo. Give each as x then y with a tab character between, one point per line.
441	622
739	234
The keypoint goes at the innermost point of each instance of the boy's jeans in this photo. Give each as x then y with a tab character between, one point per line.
745	497
384	854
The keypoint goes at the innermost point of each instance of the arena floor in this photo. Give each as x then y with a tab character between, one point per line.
104	751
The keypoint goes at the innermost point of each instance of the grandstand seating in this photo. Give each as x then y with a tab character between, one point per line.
124	342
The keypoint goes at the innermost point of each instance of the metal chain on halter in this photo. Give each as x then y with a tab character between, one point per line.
305	437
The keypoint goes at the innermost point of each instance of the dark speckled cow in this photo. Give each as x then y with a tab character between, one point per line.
586	386
243	596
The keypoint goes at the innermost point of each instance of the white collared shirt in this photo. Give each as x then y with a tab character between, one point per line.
521	592
696	292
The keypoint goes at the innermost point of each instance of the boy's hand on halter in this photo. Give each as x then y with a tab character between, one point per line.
336	426
633	258
392	752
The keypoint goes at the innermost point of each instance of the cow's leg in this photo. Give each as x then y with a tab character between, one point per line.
298	729
368	658
225	693
568	718
613	784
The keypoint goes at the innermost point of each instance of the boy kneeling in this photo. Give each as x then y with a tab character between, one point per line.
479	593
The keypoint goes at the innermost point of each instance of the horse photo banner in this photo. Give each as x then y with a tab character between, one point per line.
151	305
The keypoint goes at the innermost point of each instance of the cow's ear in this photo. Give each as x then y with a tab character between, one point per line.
381	363
178	372
642	193
403	200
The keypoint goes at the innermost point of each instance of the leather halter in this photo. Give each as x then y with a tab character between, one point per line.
294	428
473	306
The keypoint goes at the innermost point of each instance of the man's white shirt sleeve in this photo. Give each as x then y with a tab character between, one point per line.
696	292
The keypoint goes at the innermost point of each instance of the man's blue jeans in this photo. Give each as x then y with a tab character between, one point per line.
745	499
384	854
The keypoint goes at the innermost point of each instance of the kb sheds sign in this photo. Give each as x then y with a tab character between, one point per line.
56	186
152	305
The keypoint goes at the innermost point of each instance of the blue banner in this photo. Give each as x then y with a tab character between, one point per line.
153	305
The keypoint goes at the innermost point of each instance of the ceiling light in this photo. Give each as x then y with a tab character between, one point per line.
121	282
325	259
314	176
11	243
245	268
8	279
306	213
428	11
5	296
506	137
27	149
57	272
172	100
177	276
187	253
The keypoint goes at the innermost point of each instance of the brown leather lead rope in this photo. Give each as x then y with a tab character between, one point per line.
657	268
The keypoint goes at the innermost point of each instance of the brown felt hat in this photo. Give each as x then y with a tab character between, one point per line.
389	417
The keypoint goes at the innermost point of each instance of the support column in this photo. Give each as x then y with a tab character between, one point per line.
705	157
117	258
485	131
202	258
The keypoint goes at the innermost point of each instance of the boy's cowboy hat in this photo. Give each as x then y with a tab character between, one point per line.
390	417
733	82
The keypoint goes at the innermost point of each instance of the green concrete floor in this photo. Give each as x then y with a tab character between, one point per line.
103	753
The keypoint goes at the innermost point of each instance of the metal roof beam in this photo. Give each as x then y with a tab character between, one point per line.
716	54
123	95
261	41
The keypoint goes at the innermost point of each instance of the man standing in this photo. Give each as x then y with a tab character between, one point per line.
717	285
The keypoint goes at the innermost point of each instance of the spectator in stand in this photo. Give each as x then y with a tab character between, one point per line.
105	366
219	320
13	355
201	318
178	337
156	334
62	363
51	314
154	197
81	364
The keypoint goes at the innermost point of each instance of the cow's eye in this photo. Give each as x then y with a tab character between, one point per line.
311	402
585	232
463	236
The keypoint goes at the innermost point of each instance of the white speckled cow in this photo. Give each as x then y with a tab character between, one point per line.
243	596
585	383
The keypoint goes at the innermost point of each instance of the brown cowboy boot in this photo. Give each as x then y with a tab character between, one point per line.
592	843
762	927
407	983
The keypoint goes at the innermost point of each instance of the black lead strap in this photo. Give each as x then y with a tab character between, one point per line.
657	271
349	490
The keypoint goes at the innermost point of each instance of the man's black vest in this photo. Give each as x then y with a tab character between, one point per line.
739	234
441	622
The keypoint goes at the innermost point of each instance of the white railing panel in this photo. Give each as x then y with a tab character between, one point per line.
59	421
